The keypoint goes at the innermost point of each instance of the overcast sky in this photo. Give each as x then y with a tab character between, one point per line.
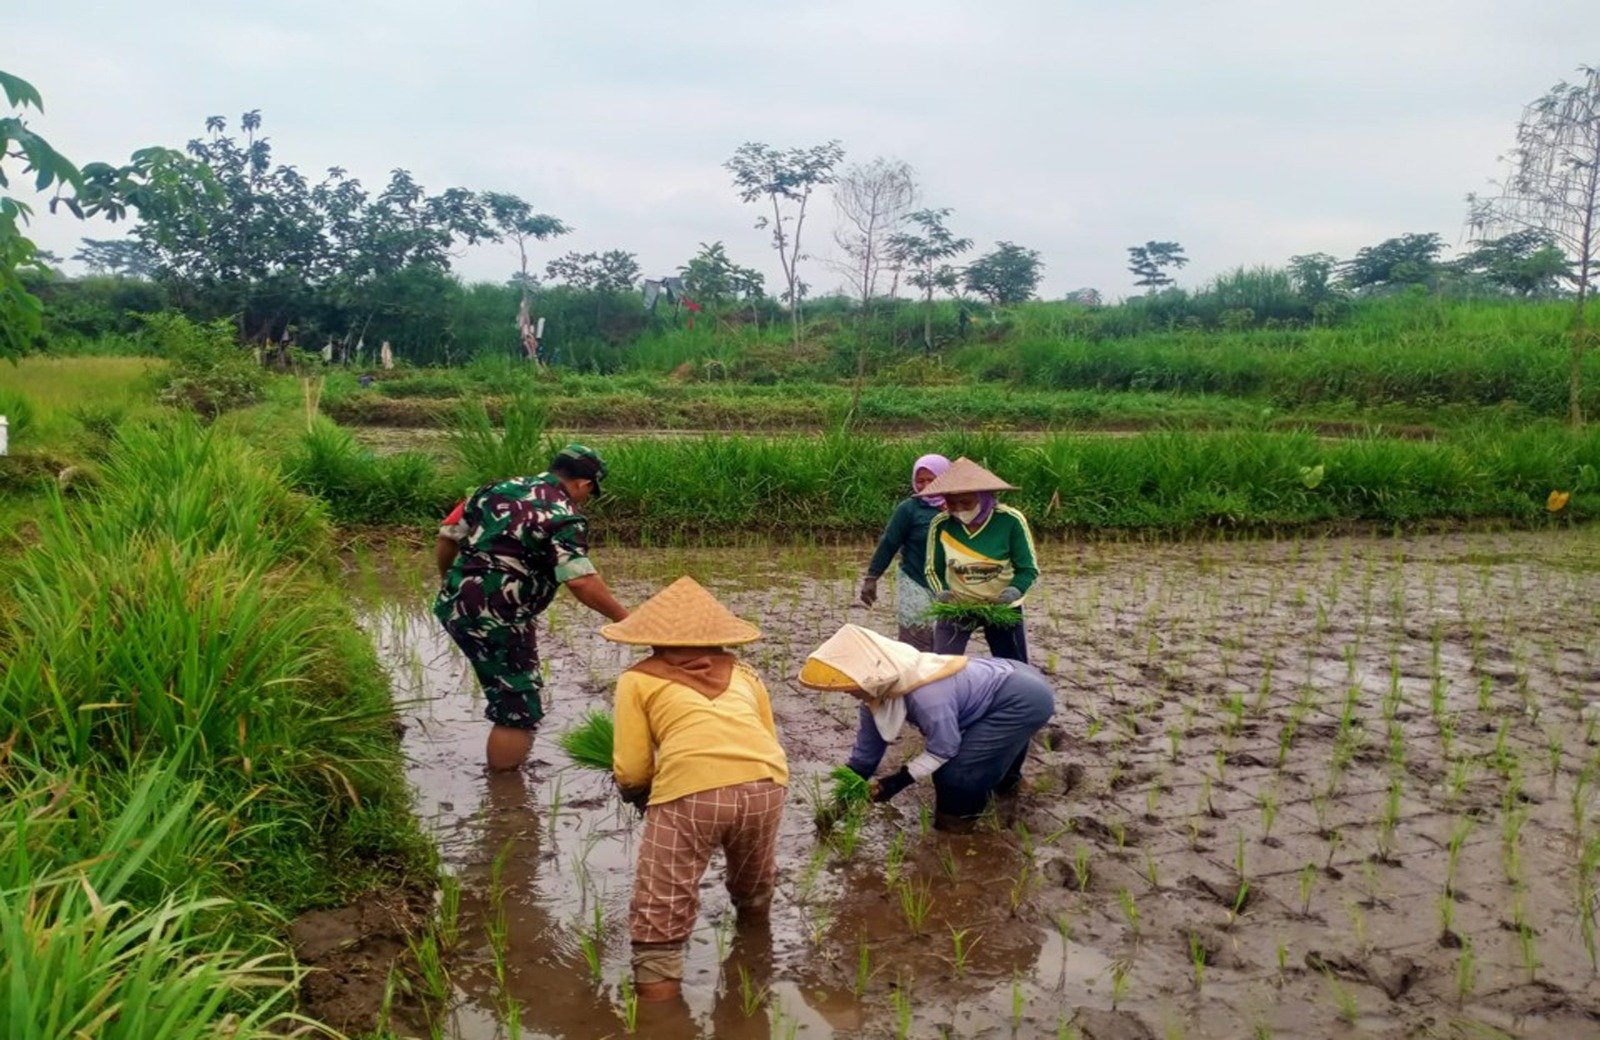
1247	131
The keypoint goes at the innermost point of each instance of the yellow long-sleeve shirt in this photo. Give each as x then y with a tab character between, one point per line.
678	741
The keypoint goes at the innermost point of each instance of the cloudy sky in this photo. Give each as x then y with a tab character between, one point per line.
1247	130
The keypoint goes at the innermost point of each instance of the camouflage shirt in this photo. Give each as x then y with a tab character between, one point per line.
525	535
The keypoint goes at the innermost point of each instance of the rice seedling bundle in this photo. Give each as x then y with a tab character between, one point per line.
589	742
976	614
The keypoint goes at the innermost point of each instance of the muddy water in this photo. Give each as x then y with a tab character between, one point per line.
1275	759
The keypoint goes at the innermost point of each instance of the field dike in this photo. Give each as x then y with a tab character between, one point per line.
1293	788
196	744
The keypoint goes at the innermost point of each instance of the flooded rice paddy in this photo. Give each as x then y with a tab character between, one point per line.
1320	788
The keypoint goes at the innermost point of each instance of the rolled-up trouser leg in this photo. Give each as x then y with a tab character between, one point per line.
994	746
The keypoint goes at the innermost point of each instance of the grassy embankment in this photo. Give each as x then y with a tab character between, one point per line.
1407	363
195	742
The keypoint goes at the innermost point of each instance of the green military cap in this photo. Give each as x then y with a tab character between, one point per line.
580	460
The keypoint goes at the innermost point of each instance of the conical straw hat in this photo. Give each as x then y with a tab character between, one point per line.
963	477
682	614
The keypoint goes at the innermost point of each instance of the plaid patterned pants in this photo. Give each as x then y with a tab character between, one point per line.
679	838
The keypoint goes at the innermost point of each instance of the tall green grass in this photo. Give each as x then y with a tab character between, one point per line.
182	680
717	488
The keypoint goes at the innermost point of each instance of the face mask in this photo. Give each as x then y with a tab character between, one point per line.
966	516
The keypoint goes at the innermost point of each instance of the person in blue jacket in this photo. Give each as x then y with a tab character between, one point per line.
977	717
907	537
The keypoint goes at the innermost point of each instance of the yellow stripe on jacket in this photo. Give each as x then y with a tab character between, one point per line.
678	741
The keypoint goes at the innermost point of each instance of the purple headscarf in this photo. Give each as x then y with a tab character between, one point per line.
935	464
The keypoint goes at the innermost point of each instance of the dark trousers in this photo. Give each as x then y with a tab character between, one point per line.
1005	641
994	748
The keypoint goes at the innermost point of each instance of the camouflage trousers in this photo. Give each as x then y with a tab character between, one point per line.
502	647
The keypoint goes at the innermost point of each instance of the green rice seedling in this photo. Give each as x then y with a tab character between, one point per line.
425	955
751	995
447	924
588	743
818	920
1019	1002
947	863
1528	946
1150	872
846	837
976	615
1267	800
1065	1030
895	859
1080	867
1283	956
1021	885
915	902
863	968
900	1001
1390	818
1344	1001
807	884
1197	959
630	1004
961	949
1447	914
1119	980
1466	971
924	819
1130	910
1460	829
1588	867
1308	881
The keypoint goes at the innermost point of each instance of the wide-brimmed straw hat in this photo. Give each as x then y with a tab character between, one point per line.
965	477
682	614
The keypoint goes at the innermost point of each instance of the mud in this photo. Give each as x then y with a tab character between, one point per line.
351	952
1374	699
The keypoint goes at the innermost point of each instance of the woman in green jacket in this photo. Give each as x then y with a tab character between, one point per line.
979	551
907	536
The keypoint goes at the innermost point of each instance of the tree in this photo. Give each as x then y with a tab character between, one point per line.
275	250
97	189
1149	263
926	253
873	200
1010	274
124	257
1312	275
1411	259
1554	187
515	221
1526	262
711	278
614	271
785	180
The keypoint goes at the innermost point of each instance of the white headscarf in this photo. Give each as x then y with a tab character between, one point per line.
885	670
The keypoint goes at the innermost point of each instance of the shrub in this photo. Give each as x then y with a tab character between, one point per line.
208	373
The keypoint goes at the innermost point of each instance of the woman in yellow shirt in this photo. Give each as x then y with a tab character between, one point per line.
696	745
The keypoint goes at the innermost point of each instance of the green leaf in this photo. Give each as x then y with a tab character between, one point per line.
19	92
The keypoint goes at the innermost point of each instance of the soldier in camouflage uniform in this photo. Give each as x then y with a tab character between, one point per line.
503	554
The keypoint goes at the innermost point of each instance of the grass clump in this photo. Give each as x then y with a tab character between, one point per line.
199	745
589	742
976	615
